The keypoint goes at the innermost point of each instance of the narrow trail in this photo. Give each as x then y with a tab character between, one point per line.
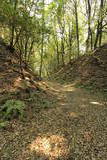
73	127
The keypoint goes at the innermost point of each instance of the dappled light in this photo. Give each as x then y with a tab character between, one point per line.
67	130
53	146
63	104
73	114
53	79
17	82
49	86
56	88
97	103
69	88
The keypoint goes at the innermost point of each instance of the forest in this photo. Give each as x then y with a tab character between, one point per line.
53	79
54	32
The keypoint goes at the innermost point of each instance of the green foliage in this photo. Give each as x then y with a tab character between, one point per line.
25	23
3	124
13	109
89	87
40	102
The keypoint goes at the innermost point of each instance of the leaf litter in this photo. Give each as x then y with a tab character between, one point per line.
73	130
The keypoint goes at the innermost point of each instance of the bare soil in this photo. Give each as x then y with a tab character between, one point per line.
72	127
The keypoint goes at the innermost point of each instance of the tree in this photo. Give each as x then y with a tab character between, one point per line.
89	41
77	25
42	37
99	25
49	35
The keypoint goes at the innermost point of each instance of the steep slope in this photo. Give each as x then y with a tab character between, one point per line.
88	69
11	76
15	85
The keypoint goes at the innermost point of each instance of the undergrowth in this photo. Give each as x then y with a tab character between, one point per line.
93	89
11	109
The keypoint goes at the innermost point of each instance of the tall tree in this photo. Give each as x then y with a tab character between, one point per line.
42	39
13	22
89	41
77	25
99	25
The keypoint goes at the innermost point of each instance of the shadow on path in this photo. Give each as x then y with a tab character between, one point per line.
75	128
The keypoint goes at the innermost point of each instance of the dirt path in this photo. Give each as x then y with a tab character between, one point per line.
73	127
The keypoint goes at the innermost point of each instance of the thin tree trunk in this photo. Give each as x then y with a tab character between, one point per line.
89	41
62	51
101	22
42	45
70	43
57	47
17	36
30	50
26	47
57	50
77	26
13	24
97	35
99	26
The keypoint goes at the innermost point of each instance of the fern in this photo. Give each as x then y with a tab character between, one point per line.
13	108
3	124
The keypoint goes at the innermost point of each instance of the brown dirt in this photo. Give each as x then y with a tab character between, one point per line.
88	70
61	123
12	83
74	127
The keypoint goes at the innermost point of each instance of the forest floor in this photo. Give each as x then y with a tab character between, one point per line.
72	127
89	70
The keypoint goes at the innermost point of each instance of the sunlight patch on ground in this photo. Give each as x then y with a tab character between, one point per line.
48	86
73	114
97	103
68	88
57	87
63	104
53	146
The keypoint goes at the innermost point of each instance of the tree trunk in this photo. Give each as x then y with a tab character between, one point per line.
99	26
70	43
42	45
77	26
89	41
13	24
101	22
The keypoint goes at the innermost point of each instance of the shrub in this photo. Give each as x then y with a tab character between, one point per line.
13	109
